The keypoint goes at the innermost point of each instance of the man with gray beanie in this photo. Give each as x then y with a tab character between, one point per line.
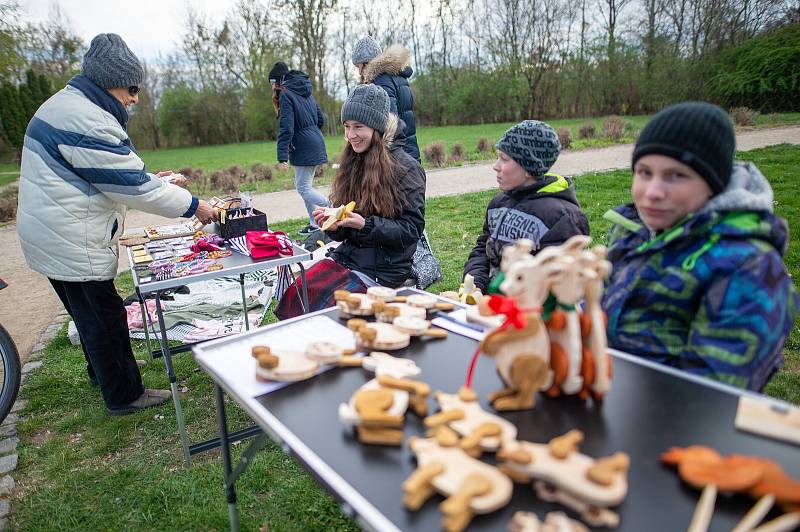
532	204
390	70
79	175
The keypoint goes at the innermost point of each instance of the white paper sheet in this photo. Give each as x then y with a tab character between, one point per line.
459	325
235	364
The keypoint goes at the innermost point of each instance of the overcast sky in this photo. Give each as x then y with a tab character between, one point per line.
148	26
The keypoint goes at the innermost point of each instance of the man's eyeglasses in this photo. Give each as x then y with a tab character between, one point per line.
133	90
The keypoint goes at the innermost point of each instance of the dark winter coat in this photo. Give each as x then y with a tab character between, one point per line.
710	296
300	140
384	247
546	212
390	71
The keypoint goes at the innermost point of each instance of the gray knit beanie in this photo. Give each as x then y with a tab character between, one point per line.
110	64
368	104
366	50
533	145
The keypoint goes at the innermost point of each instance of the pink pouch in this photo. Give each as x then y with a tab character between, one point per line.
263	244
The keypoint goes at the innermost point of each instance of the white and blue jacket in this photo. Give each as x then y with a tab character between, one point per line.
79	175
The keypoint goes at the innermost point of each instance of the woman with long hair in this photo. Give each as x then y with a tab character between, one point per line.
387	185
300	140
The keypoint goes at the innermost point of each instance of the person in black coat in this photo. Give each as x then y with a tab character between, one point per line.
532	204
388	187
390	70
300	140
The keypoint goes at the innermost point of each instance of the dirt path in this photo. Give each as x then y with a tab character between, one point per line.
29	304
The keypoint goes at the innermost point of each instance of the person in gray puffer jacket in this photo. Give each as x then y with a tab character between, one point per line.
79	175
532	204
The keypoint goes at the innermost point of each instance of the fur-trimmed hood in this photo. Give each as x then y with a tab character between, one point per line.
394	61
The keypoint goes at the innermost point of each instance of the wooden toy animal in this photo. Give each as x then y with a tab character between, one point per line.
594	324
287	366
377	408
481	430
703	467
564	326
382	336
562	474
554	522
352	304
522	351
471	486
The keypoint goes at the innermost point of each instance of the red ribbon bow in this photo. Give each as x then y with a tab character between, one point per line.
507	306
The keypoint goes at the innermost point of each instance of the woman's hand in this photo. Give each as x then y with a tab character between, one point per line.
353	221
319	216
178	179
283	166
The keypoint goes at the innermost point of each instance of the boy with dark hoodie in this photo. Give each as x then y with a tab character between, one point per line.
698	279
532	204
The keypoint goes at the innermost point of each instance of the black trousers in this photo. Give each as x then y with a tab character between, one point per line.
100	318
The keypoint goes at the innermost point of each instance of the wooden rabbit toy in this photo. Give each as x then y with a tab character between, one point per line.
471	486
594	323
377	409
562	474
481	430
564	324
522	350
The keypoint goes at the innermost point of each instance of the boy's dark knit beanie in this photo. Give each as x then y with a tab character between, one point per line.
698	134
533	145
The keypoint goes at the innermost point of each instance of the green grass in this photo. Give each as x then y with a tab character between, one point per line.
245	155
81	469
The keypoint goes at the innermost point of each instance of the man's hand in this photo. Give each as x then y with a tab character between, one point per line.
171	177
205	212
283	166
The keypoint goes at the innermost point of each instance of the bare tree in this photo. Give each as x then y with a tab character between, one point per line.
308	25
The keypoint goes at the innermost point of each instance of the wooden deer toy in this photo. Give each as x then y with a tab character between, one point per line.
562	474
553	522
471	486
523	354
564	326
481	430
593	325
377	408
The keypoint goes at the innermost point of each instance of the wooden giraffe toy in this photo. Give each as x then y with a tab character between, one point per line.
523	354
377	409
471	486
593	325
561	474
482	431
564	326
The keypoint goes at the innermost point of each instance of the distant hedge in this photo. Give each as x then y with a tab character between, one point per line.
762	73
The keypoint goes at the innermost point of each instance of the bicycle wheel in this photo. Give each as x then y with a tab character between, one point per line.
10	373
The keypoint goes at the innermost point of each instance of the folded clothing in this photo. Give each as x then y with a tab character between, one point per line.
263	244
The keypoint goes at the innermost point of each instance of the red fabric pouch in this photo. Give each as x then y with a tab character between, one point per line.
263	244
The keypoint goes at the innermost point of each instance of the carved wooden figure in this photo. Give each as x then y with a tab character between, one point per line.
284	366
353	304
523	355
561	474
594	324
387	312
564	327
380	336
482	431
377	408
554	522
704	468
471	486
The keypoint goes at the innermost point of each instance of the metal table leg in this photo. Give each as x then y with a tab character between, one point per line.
145	319
173	382
304	297
230	474
244	303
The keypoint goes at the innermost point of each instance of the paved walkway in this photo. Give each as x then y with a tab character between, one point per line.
29	304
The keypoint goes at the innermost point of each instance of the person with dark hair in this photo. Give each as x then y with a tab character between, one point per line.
379	237
300	140
532	203
698	279
79	175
